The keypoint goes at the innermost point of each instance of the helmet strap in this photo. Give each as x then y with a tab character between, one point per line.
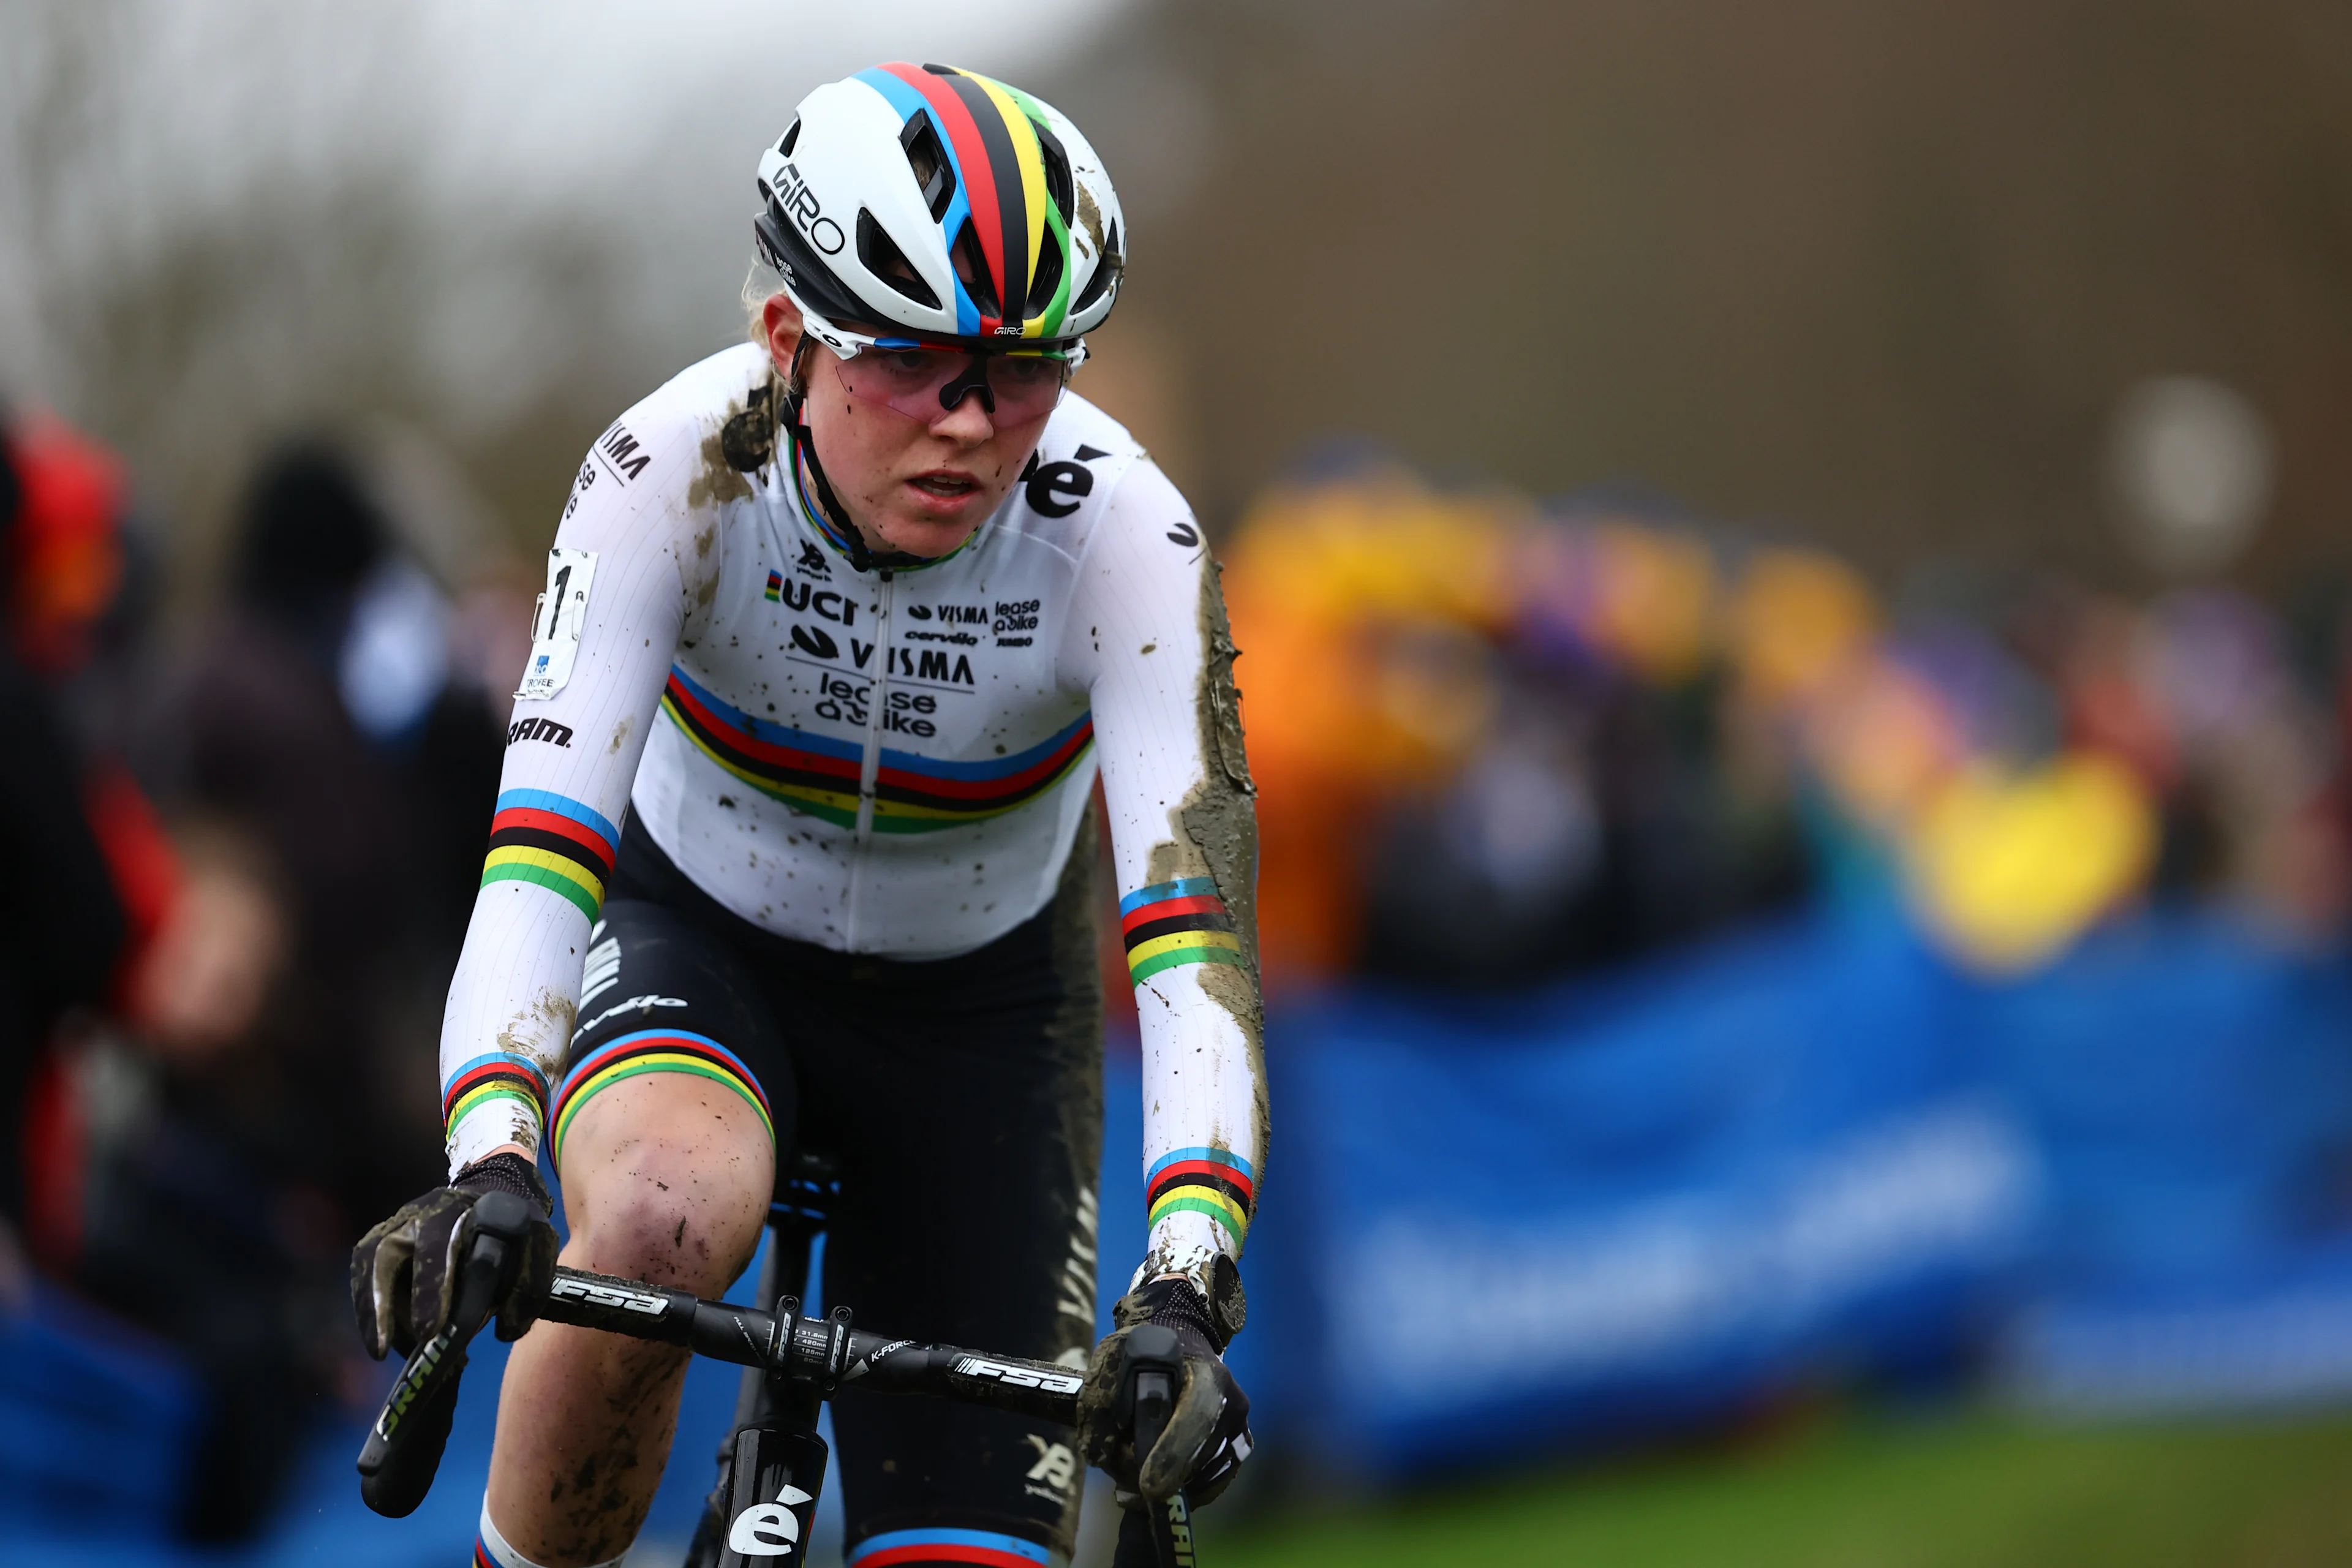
805	451
803	440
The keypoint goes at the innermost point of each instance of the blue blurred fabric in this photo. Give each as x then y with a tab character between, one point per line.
94	1422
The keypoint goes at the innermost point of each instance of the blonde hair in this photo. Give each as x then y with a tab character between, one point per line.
762	284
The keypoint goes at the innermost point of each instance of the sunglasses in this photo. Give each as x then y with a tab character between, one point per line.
926	384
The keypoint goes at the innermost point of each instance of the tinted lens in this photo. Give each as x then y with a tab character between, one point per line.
912	380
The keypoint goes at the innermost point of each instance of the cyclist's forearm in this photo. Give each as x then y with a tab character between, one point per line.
623	582
1185	838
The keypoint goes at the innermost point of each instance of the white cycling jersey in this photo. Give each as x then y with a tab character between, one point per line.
890	761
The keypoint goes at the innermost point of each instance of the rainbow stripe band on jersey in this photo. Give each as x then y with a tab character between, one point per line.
1214	1181
500	1075
1173	923
553	842
818	774
986	1547
652	1050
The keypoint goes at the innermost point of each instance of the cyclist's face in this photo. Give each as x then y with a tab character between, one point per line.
918	483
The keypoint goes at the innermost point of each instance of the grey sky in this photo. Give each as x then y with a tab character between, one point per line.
430	193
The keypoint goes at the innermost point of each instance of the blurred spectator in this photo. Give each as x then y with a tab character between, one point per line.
319	725
63	928
333	779
1495	745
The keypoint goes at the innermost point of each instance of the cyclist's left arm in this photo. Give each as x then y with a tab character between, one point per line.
1147	638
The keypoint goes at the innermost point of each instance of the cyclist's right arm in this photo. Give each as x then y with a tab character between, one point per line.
635	560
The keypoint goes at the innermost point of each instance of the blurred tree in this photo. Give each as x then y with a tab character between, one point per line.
1883	270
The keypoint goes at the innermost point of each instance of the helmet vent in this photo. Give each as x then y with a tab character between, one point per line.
933	172
791	136
1057	171
1107	268
971	269
1048	277
883	258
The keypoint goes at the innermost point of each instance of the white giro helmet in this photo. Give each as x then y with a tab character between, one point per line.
924	204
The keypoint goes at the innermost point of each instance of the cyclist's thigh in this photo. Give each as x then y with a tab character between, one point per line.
971	1142
676	1071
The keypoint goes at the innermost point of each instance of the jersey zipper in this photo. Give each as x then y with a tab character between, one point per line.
871	769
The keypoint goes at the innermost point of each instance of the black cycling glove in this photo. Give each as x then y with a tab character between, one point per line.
404	1272
1207	1436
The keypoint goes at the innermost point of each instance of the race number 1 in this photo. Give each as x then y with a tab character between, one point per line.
556	622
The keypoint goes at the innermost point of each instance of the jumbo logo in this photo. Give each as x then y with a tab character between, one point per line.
795	197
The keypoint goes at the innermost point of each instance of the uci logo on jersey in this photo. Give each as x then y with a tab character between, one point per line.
795	197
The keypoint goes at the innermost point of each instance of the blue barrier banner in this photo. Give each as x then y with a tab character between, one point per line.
1631	1204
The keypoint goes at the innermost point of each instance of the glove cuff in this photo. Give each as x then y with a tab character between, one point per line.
1176	1304
506	1172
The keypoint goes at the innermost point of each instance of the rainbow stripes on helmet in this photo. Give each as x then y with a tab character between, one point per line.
924	206
993	142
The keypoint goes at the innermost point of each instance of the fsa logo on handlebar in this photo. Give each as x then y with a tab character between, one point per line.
1018	1377
610	1296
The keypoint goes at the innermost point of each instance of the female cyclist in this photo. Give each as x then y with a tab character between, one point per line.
794	849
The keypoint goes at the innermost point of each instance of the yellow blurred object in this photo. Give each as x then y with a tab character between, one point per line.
1654	600
1362	611
1362	608
1796	619
2011	870
1388	548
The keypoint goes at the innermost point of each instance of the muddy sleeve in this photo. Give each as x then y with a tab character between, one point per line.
1149	640
634	563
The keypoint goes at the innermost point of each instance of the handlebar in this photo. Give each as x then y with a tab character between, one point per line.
823	1354
819	1355
815	1356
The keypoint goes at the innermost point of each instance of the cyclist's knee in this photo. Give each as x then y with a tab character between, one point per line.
666	1178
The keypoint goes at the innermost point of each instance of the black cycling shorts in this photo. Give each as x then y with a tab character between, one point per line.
961	1099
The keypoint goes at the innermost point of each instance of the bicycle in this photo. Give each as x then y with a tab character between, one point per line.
772	1466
